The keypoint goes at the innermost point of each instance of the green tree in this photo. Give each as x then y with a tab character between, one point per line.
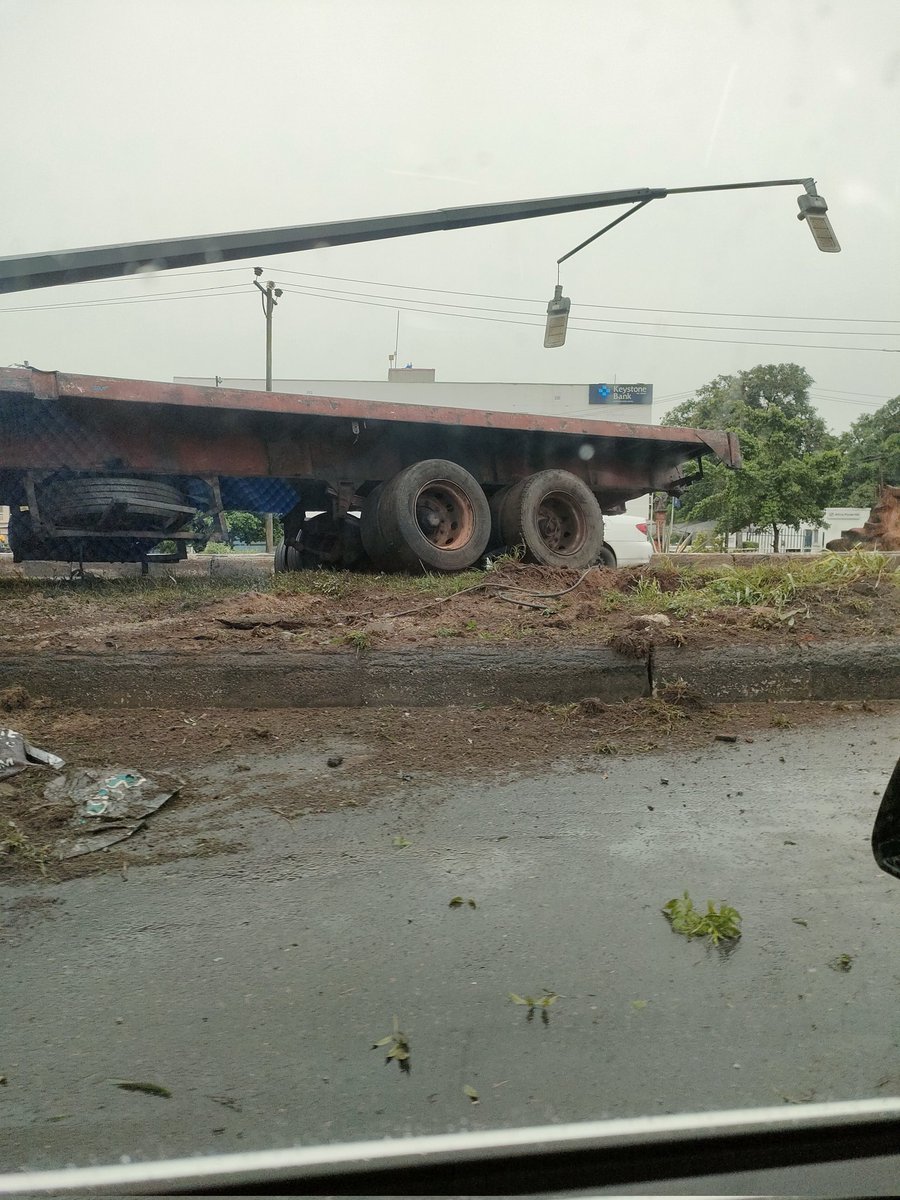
734	402
871	450
777	486
243	527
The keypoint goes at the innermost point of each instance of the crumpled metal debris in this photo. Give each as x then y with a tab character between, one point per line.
16	754
110	806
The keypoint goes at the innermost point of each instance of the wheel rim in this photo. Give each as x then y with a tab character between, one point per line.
561	524
445	515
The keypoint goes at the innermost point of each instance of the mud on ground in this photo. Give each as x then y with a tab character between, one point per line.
513	604
240	768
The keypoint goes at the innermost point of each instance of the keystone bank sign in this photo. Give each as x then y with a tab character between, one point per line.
620	393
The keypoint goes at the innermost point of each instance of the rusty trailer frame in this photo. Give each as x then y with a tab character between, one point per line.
282	452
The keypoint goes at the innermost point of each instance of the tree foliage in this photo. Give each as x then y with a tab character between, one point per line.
782	437
727	401
778	485
244	528
871	454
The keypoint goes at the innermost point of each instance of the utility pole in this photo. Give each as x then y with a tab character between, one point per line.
270	297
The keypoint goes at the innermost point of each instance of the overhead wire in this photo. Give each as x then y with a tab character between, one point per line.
610	320
687	312
232	289
370	297
477	312
404	306
143	276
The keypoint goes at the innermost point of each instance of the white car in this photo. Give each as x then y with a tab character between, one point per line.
625	538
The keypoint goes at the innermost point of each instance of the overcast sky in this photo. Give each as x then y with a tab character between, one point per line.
134	119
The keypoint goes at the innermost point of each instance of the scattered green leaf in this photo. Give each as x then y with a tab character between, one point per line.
639	1003
691	922
471	1093
534	1003
399	1051
456	902
149	1089
471	903
800	921
400	842
843	962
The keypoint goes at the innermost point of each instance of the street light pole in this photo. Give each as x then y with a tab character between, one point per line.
270	297
49	269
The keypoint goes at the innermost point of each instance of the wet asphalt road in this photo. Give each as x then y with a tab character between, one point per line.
253	986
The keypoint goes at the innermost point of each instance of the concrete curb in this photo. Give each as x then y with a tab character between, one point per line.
431	677
827	671
414	677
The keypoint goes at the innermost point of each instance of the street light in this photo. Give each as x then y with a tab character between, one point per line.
812	210
50	268
557	319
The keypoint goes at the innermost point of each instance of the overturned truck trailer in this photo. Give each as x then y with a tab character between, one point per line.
98	469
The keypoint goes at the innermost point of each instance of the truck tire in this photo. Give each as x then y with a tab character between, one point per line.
84	499
497	504
287	558
433	515
371	531
325	542
555	517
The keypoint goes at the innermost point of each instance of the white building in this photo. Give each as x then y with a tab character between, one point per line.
808	539
596	401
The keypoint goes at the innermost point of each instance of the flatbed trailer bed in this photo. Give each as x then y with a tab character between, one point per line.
79	453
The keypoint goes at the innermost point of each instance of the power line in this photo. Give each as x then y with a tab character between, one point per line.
611	320
844	392
232	289
671	337
843	400
363	298
684	312
144	276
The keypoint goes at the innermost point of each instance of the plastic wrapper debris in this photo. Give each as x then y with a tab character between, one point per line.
109	806
16	754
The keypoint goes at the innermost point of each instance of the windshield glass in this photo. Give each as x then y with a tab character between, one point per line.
446	682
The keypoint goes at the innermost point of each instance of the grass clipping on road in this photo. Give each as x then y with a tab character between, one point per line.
721	925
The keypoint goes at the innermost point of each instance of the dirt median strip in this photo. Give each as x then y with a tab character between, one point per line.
431	677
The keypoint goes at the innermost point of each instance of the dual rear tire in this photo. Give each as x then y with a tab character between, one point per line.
553	516
432	516
435	516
